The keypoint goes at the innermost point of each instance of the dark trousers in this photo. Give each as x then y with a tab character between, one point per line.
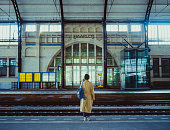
86	114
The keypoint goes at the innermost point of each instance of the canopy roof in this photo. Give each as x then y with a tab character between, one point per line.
117	10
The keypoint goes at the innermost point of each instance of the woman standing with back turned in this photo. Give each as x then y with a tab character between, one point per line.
86	104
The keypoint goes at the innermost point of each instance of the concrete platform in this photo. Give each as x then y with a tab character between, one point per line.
125	122
101	91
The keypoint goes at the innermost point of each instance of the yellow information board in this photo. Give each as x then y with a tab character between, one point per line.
37	77
28	77
21	77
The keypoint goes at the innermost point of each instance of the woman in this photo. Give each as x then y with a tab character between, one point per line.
86	104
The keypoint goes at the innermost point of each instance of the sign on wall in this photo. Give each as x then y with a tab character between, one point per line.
28	77
37	77
21	77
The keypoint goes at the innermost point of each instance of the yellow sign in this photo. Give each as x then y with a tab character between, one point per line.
99	74
21	77
37	77
28	77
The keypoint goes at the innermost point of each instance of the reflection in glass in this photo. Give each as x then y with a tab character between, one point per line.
68	60
76	75
98	51
84	49
99	69
92	74
83	71
69	51
68	75
51	77
76	50
91	50
76	60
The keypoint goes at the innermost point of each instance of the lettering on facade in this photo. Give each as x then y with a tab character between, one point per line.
83	36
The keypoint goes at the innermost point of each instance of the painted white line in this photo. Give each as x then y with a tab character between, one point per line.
35	119
116	118
164	118
50	119
88	122
18	119
3	119
132	118
148	118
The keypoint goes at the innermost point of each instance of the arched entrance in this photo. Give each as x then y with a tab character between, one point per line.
82	58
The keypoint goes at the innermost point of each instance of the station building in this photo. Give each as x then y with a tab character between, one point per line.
90	38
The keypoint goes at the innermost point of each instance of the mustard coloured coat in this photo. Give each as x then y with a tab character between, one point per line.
86	105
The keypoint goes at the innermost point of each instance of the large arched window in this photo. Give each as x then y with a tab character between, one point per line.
82	58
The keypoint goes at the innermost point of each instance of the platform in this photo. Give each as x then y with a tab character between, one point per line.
125	122
98	91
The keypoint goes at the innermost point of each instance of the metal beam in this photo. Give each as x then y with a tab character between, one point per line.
55	21
62	46
19	22
105	45
83	21
148	10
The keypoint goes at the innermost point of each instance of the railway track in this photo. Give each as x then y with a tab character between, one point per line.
74	110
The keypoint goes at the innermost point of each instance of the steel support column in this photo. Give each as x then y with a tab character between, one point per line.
148	11
19	22
105	46
62	46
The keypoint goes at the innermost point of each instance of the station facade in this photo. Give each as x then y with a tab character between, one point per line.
41	52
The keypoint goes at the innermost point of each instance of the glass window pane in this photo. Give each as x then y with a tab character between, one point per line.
69	75
92	74
91	50
99	60
155	67
43	28
3	67
152	32
30	28
76	75
55	28
109	62
84	49
76	50
83	71
84	61
58	62
99	69
123	28
91	60
12	63
69	51
135	28
98	51
4	31
69	60
112	27
109	76
76	60
165	67
14	32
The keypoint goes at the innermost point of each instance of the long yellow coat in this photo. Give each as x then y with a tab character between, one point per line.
86	105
